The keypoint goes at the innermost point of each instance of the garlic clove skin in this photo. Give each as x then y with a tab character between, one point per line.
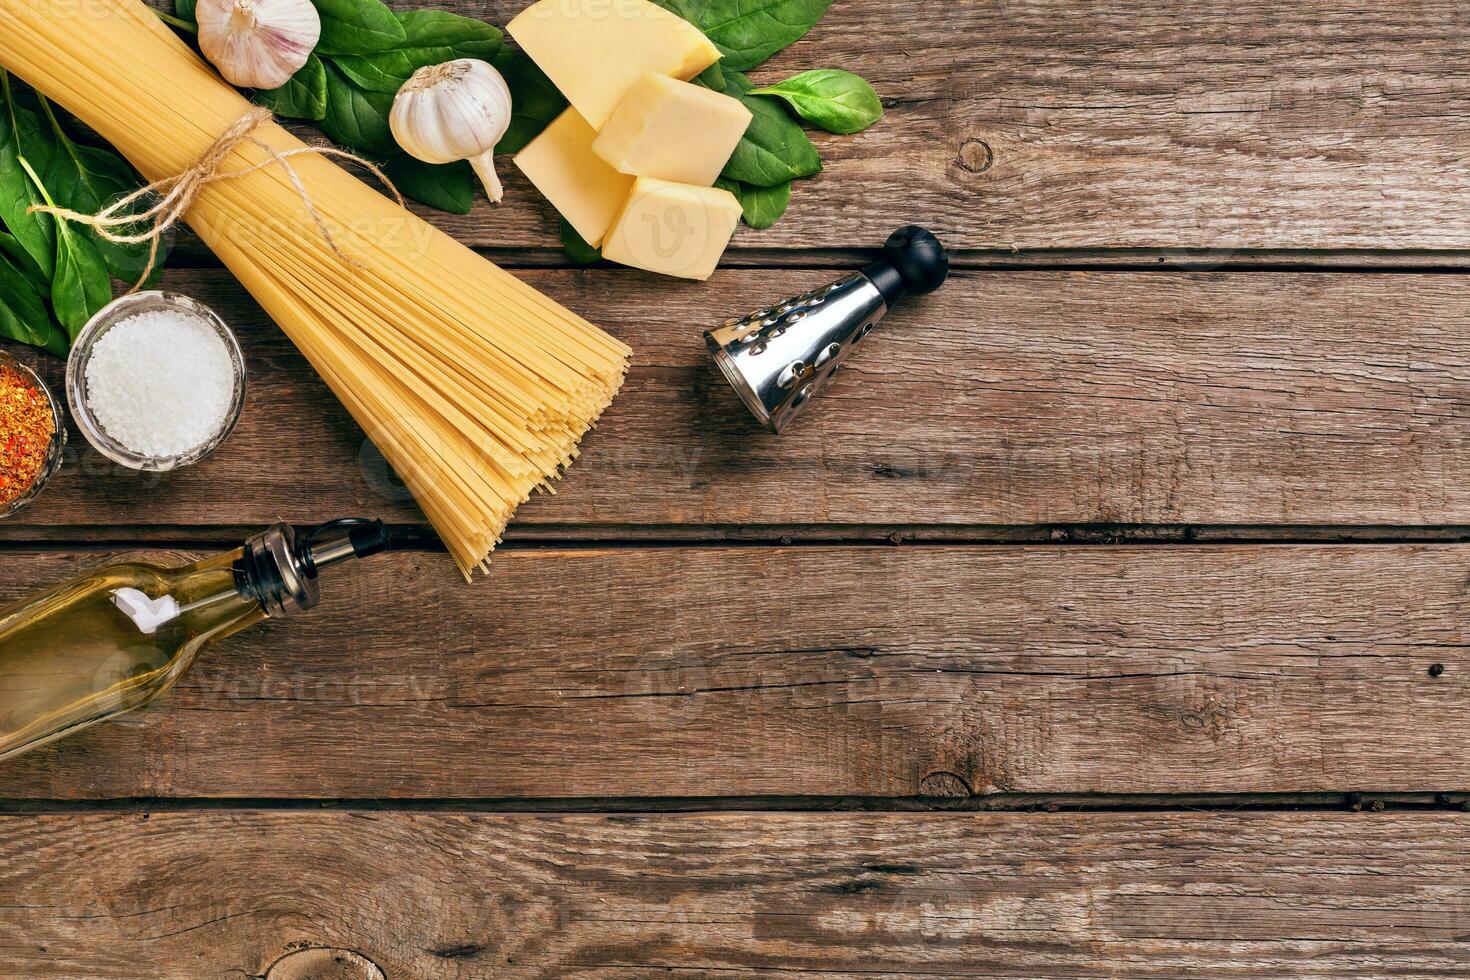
455	111
258	43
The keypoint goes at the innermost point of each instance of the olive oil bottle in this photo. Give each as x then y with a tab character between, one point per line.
116	638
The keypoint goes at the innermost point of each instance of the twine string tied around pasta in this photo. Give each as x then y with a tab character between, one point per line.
178	194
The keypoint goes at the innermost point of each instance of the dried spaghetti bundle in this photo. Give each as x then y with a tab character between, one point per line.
475	387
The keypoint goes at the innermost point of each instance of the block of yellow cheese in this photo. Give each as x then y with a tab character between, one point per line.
672	130
676	229
576	181
593	50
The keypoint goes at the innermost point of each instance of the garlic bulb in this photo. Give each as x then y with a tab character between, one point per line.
258	43
455	111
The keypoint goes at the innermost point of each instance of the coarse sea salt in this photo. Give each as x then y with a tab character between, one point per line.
161	383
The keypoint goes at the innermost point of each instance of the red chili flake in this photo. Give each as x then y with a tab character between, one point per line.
26	428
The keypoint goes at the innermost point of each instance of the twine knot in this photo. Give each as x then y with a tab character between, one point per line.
178	194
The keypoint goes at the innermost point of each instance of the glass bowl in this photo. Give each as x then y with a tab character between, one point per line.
53	451
76	379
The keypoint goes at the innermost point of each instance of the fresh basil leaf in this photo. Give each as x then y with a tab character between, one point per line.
535	101
88	179
36	233
23	313
775	149
836	100
748	32
82	285
576	246
761	207
358	27
356	118
434	37
303	97
450	187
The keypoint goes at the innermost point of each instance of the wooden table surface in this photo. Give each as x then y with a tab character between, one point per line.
1106	619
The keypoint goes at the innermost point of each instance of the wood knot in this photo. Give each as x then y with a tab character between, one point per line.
464	951
324	963
945	784
976	156
857	886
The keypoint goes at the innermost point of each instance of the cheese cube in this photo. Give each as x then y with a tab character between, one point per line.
576	181
676	229
593	50
672	130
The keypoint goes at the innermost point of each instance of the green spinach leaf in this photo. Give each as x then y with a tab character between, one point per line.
536	102
434	37
774	149
88	179
358	27
23	313
761	207
576	246
11	248
685	9
36	233
303	97
450	187
749	32
81	285
357	118
711	78
836	100
185	10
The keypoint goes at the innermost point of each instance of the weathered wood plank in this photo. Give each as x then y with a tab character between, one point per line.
1221	124
815	672
446	895
1004	399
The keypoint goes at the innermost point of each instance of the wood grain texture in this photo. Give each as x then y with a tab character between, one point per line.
1024	124
1004	399
936	671
441	896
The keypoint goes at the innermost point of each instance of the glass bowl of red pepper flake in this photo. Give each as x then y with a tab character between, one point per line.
32	434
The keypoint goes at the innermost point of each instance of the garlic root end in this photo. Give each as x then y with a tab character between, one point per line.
485	167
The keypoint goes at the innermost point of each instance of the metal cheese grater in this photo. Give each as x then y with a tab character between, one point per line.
777	358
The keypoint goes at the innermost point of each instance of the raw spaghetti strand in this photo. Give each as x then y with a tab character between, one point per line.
475	387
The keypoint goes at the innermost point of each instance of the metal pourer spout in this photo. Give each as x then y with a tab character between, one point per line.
280	565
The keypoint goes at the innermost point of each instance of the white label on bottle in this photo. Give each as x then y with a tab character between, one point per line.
147	614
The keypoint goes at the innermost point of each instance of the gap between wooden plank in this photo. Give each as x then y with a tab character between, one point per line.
193	255
571	537
1351	802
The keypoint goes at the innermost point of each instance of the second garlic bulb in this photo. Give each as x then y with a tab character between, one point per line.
455	111
258	43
